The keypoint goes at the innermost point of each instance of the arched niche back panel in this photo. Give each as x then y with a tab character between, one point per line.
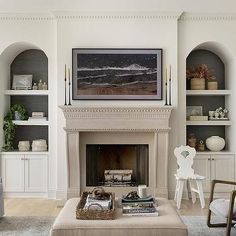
213	61
31	62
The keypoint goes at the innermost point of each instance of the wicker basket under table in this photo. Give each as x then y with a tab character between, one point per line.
89	214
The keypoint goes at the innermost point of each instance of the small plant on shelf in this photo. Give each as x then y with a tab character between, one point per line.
200	71
198	75
9	127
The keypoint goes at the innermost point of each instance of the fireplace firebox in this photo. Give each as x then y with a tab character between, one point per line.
117	165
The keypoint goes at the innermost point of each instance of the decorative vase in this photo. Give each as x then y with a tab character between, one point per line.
24	146
197	84
17	115
215	143
212	85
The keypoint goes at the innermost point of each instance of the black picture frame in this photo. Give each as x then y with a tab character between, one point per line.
116	74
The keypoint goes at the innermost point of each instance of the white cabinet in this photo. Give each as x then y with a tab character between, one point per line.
25	173
202	166
215	166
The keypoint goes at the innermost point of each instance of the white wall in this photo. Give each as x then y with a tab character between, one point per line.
57	36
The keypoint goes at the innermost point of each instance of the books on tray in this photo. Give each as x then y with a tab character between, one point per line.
96	204
139	207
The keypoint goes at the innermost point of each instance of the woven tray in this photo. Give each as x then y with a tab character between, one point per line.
89	214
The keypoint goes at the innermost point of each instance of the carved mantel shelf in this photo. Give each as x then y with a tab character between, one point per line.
148	119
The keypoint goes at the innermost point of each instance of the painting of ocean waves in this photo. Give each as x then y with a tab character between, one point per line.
132	79
118	74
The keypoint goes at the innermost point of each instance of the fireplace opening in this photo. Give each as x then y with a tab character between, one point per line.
117	165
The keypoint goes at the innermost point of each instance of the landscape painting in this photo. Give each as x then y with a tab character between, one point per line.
117	74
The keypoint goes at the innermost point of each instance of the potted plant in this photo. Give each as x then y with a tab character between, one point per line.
198	75
9	127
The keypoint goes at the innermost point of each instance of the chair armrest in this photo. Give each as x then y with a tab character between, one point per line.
216	181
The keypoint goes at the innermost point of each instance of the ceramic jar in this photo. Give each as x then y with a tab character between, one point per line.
212	85
24	146
215	143
39	145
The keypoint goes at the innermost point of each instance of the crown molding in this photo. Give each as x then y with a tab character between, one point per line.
129	15
26	16
207	17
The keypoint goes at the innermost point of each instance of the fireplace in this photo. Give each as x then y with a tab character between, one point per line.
141	132
117	165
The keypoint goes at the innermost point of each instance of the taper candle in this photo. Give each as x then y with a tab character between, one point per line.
170	87
166	85
65	72
65	86
69	103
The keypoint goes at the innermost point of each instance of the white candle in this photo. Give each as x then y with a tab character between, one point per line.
142	191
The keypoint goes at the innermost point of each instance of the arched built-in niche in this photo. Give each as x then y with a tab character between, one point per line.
218	59
17	59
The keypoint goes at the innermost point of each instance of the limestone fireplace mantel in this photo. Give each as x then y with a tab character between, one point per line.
149	119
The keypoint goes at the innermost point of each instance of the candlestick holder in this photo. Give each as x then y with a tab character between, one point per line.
166	94
170	92
65	94
69	103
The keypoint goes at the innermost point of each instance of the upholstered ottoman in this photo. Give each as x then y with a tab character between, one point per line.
168	223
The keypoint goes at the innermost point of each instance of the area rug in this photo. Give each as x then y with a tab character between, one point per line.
197	226
25	226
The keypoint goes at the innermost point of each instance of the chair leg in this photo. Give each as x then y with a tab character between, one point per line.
193	194
186	189
180	193
200	191
176	190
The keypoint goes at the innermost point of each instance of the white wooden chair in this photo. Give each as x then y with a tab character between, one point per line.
185	174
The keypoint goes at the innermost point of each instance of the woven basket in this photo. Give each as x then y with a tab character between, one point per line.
89	214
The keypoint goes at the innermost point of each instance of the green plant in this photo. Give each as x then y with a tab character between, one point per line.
9	127
21	109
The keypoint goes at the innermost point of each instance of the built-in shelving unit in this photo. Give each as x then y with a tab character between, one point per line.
30	62
208	100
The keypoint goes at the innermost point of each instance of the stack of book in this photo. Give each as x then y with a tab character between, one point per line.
37	116
97	204
139	207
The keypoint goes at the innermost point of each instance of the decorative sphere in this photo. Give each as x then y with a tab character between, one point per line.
215	143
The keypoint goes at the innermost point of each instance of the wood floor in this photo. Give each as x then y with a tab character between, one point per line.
49	207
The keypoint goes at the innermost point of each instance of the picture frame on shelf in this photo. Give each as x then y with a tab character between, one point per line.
193	111
22	82
116	74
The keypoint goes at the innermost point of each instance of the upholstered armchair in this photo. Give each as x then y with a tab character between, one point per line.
222	207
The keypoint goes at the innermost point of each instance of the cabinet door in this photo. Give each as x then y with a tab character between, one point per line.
201	166
35	173
223	169
13	173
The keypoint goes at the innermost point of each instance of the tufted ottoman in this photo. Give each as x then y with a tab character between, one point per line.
168	223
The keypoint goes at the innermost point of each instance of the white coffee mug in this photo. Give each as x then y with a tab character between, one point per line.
142	191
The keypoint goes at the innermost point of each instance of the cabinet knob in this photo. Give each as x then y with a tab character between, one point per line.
213	159
22	159
208	159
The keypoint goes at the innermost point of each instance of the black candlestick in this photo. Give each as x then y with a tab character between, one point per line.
166	93
69	94
65	93
170	92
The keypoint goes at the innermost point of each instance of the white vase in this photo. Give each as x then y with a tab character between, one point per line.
215	143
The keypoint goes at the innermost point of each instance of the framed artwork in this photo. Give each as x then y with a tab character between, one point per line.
117	74
193	111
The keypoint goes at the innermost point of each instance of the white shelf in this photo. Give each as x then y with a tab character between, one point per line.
209	122
215	153
17	152
207	92
31	122
26	92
